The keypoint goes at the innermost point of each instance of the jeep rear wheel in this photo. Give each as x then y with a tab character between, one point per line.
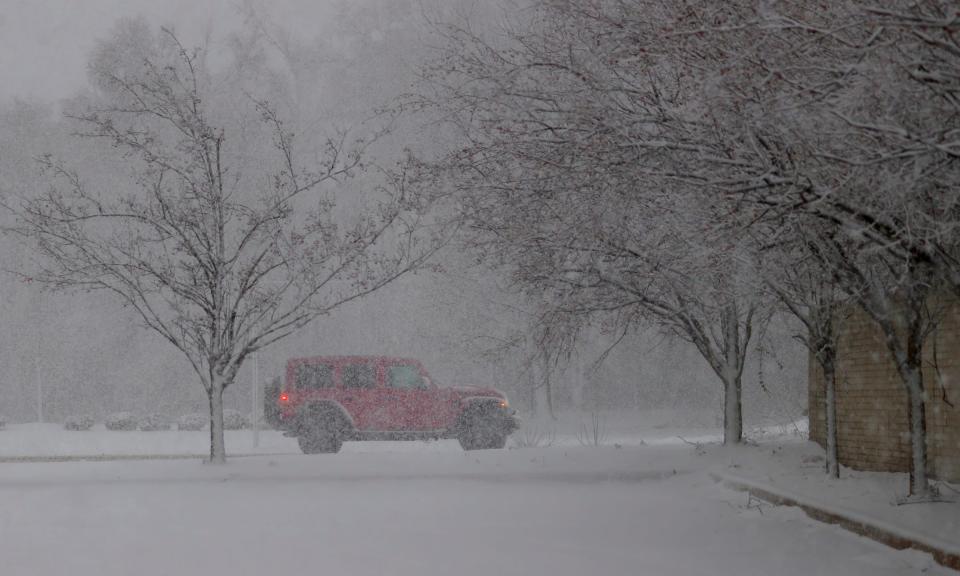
321	429
318	441
480	431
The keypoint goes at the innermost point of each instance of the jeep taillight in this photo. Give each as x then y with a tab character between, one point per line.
284	397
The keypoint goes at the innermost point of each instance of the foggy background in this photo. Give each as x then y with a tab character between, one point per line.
82	354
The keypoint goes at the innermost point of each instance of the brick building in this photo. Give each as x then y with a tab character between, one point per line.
872	406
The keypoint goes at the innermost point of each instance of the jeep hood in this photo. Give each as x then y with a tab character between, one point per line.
477	391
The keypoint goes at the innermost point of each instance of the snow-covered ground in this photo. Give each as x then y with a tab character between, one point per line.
796	470
415	508
571	429
51	440
638	428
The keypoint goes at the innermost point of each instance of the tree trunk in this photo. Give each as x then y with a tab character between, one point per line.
909	366
732	409
828	363
532	389
732	377
577	392
547	388
218	453
908	356
919	484
911	370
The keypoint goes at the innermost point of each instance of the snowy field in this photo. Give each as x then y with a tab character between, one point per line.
795	470
419	509
572	429
51	441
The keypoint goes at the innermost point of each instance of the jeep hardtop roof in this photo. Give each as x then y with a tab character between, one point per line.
353	359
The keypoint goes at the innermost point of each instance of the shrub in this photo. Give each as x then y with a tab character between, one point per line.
233	420
533	437
154	422
193	422
78	423
594	434
121	421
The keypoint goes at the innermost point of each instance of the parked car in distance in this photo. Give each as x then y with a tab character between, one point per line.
325	400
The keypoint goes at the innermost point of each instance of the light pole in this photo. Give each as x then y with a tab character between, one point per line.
255	395
38	319
36	369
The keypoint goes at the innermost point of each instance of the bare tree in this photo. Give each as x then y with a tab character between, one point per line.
220	244
859	102
899	296
616	149
842	116
588	168
808	290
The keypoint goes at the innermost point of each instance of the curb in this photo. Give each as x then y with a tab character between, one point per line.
943	555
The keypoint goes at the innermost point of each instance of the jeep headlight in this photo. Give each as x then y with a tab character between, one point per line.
504	403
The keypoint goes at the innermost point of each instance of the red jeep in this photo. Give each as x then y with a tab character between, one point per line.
328	399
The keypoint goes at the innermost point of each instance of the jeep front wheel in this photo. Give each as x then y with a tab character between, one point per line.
478	432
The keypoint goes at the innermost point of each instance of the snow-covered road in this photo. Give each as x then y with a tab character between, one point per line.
553	511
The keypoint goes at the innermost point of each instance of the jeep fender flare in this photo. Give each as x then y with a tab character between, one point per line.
326	404
473	404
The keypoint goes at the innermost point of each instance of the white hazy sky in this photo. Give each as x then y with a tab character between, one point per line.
44	43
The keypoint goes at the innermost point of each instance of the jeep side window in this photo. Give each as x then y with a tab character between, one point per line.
314	376
405	377
358	376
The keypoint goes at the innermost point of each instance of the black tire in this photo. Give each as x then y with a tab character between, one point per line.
480	430
321	430
319	442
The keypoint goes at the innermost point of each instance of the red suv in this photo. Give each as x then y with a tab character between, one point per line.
328	399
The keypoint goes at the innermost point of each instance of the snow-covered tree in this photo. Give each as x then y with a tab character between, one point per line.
809	291
588	169
218	230
855	104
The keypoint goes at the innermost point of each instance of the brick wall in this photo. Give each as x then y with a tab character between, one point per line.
942	382
872	408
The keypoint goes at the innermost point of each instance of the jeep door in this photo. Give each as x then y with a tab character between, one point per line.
357	392
415	403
